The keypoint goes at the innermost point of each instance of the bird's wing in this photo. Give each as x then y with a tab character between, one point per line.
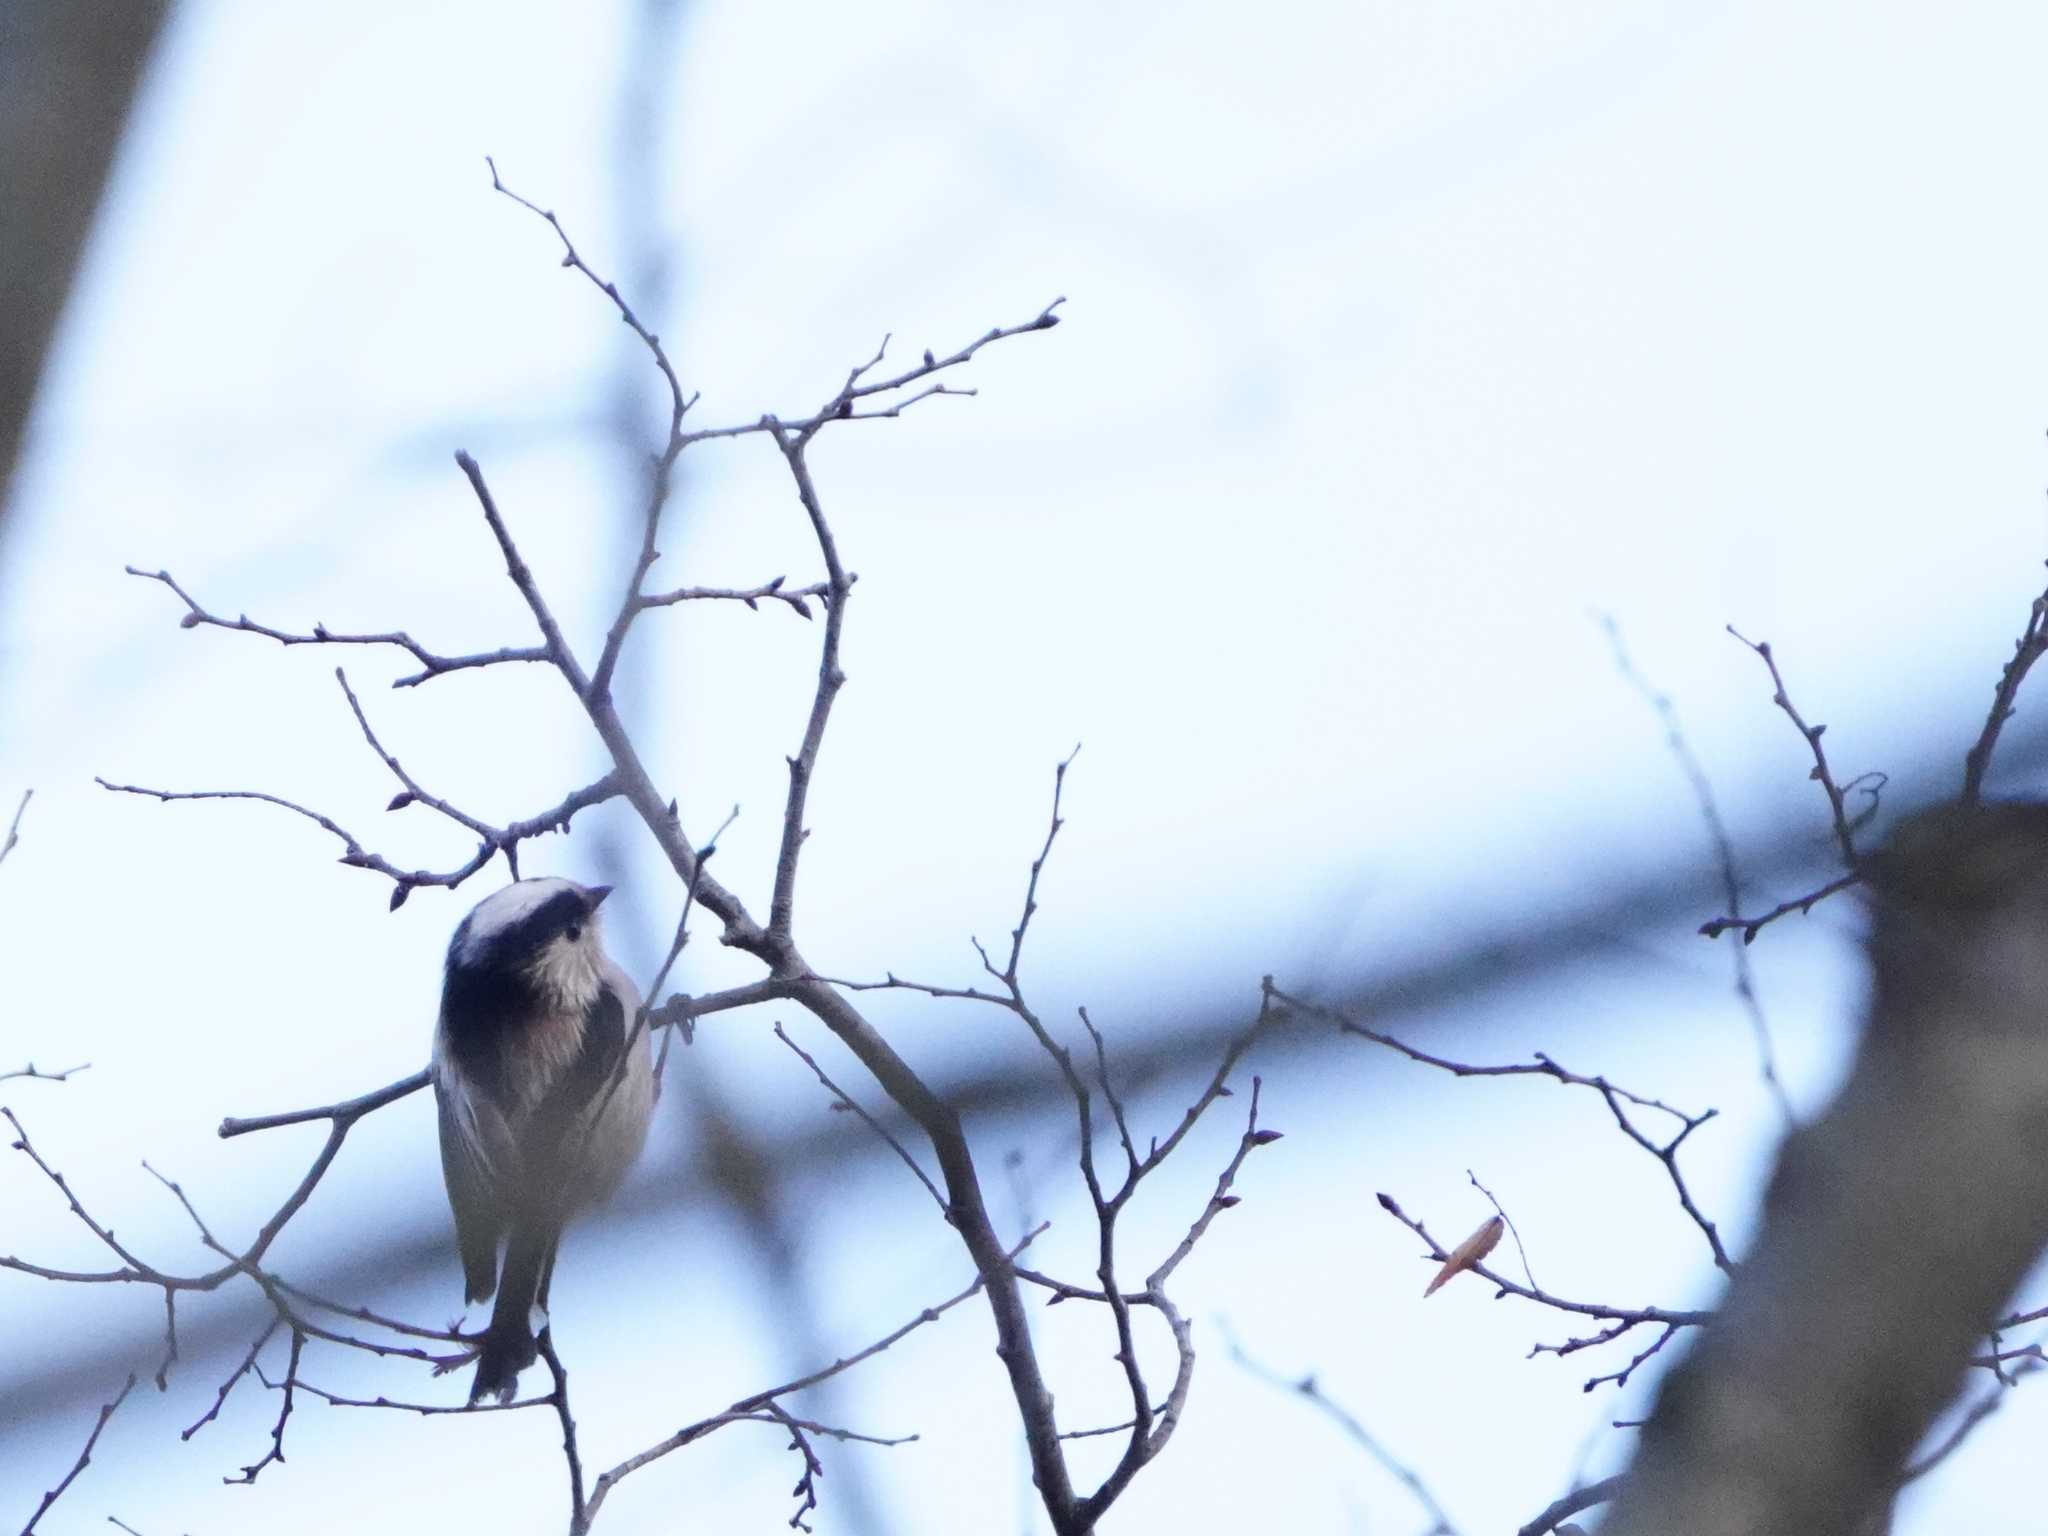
556	1135
466	1164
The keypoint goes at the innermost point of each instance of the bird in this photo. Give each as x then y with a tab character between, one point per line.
545	1086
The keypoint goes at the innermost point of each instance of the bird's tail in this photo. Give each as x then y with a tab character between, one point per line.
509	1346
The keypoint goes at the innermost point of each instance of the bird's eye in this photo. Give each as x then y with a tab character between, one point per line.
575	932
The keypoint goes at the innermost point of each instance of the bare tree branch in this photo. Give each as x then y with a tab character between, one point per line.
1616	1098
1895	1227
14	826
1570	1504
1311	1392
844	1100
31	1070
84	1458
1714	927
746	1407
1838	809
1622	1319
1724	856
432	663
2027	650
404	881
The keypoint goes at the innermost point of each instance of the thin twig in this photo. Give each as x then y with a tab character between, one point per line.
1838	810
747	1406
289	1387
84	1457
1724	857
404	881
1980	1410
1615	1097
220	1398
31	1070
1311	1392
795	598
845	1100
1513	1230
432	663
675	950
2027	650
559	1397
1570	1504
347	1110
1540	1065
14	826
1628	1317
1714	927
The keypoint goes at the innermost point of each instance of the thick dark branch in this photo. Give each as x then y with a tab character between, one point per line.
1895	1227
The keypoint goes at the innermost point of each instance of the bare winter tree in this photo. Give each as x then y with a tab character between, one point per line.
1825	1378
303	1324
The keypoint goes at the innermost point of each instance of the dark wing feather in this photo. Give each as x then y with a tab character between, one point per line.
552	1137
478	1219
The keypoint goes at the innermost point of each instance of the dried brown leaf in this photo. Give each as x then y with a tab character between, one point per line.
1468	1253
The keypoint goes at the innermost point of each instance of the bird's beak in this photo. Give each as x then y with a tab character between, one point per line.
595	895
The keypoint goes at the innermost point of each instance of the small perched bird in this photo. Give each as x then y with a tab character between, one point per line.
543	1106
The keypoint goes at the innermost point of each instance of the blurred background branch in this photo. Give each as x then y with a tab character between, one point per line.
69	71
